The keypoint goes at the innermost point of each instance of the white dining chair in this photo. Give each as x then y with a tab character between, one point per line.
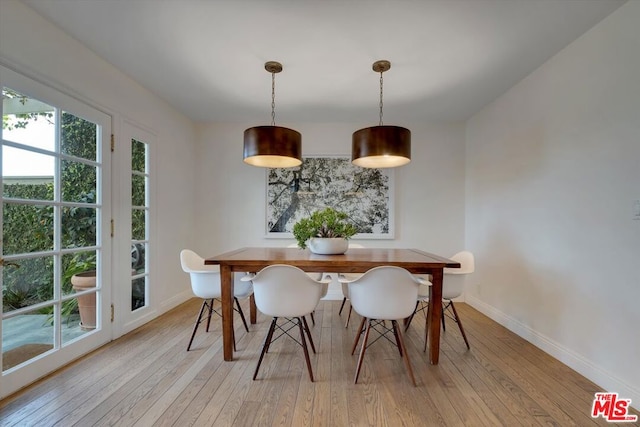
286	292
205	284
451	289
385	293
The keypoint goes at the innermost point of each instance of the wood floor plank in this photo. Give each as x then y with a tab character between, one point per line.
341	372
551	376
72	381
95	392
537	385
211	377
147	378
463	400
188	399
134	392
272	383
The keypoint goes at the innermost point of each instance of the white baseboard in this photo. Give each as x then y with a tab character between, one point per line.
175	301
584	367
150	314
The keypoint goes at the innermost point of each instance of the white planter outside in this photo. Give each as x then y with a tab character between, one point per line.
328	246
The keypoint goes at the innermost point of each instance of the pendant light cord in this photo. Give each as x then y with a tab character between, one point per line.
273	99
380	98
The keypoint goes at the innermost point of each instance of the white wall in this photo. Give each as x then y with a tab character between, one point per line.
33	46
429	192
553	169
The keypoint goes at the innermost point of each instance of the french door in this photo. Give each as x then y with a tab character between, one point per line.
55	249
134	226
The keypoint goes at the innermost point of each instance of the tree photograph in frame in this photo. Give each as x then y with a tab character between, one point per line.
365	195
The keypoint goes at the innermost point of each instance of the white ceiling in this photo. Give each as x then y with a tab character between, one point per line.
206	58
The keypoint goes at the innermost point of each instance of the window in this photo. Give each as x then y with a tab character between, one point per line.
139	224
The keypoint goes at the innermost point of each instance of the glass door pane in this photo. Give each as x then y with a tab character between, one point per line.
51	245
139	222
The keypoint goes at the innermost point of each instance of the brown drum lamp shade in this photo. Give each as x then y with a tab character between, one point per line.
272	146
381	146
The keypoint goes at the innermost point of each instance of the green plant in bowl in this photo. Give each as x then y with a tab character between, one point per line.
326	223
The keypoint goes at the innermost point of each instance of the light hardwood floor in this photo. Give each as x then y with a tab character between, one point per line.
148	378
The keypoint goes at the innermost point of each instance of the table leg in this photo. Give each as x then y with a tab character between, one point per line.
435	314
226	285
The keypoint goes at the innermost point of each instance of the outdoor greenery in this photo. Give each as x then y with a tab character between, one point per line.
20	121
29	228
28	225
326	223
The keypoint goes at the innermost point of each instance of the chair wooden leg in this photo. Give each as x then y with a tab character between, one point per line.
265	346
443	327
455	313
210	313
346	325
195	327
362	350
344	300
358	335
313	320
304	346
426	331
244	321
408	321
269	342
306	328
405	356
395	335
233	336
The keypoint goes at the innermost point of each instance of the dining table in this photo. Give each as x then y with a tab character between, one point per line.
360	260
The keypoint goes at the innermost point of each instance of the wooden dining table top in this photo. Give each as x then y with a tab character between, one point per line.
355	260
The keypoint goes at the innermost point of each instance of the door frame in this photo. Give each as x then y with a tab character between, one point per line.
126	320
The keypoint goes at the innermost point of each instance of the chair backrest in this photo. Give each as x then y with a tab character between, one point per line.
467	263
384	293
453	287
286	291
205	279
191	261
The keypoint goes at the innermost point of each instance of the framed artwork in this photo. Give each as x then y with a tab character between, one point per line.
365	195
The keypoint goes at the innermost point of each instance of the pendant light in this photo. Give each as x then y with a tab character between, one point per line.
381	146
272	146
